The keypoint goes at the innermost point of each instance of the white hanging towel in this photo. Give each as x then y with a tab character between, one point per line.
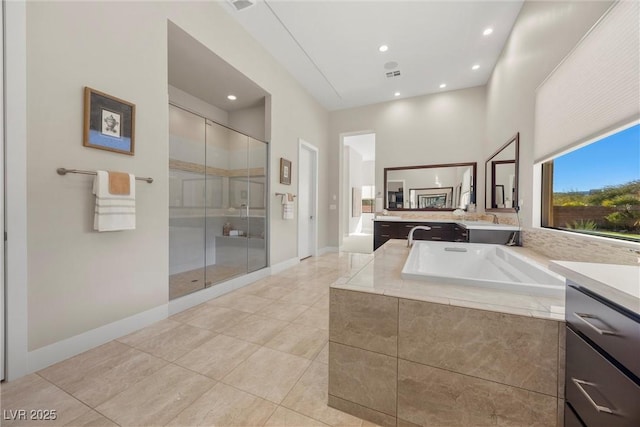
113	212
287	206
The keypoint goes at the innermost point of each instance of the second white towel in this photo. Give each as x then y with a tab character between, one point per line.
287	206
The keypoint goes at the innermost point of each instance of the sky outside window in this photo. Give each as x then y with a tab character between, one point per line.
613	160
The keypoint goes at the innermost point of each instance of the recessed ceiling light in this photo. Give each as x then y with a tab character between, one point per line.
232	97
396	94
443	85
383	48
487	31
475	67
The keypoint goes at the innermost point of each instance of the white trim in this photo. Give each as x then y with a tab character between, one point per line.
315	154
328	249
61	350
16	188
2	229
191	300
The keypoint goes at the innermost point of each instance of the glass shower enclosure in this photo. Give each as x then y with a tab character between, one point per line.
217	203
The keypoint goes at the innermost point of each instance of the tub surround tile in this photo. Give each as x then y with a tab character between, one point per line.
256	329
309	397
405	423
268	373
158	398
32	393
436	397
176	342
363	377
365	321
560	414
223	405
218	356
509	349
299	340
375	417
284	417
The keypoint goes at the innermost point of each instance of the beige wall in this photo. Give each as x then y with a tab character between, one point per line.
447	127
79	279
543	34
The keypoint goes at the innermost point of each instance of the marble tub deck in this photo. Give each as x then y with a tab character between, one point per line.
381	276
254	357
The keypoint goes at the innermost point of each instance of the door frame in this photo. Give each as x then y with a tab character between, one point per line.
3	346
313	174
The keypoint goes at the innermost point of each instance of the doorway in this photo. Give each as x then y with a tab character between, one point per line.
307	200
358	189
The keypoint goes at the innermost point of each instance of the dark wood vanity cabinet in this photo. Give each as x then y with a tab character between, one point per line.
602	383
385	230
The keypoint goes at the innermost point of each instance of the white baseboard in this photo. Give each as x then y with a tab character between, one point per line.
327	249
281	266
183	303
69	347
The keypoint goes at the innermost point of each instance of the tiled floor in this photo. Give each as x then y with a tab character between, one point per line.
257	356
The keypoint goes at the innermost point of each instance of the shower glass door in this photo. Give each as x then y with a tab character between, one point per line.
187	202
217	196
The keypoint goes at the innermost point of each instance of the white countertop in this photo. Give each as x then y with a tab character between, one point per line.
469	225
380	274
618	283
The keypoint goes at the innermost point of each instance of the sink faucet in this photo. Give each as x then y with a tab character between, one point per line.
410	237
495	218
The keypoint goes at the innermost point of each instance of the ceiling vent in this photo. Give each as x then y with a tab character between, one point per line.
242	4
391	74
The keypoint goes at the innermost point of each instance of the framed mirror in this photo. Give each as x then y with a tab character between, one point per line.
501	177
430	187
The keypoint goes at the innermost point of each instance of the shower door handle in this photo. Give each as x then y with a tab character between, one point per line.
244	211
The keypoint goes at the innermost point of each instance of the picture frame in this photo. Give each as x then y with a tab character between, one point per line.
285	171
109	122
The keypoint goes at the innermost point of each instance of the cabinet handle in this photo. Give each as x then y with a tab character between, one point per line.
598	408
385	235
385	225
584	317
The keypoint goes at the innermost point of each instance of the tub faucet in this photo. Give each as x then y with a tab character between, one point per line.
410	237
495	218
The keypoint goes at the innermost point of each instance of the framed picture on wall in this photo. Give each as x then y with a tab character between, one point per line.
109	122
285	171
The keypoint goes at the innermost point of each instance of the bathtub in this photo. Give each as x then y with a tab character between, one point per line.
480	265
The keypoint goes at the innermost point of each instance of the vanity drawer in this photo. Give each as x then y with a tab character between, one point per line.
600	393
611	330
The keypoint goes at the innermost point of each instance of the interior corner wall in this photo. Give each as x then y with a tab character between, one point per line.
543	34
78	279
196	105
446	127
249	121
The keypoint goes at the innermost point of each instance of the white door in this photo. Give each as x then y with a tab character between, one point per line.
307	191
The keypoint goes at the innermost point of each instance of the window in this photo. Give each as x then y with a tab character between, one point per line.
595	189
368	199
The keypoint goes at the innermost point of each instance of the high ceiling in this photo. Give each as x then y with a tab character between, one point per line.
331	46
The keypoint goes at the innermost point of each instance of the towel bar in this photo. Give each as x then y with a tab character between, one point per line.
64	171
284	194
